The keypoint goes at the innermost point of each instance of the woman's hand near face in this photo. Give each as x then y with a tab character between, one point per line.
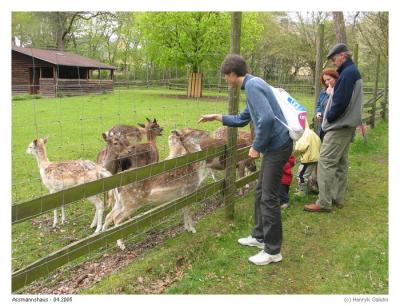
329	90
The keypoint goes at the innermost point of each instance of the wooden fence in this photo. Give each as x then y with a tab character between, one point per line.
33	208
375	108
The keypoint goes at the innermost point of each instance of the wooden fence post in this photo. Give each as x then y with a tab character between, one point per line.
355	54
373	110
318	64
385	93
230	170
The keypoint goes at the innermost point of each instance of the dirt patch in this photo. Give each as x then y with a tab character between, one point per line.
91	272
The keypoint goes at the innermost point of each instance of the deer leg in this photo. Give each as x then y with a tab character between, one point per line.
98	215
110	218
241	169
211	172
188	221
116	204
120	217
94	222
55	219
63	219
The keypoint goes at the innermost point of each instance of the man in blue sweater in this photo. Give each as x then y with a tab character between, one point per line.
342	116
273	141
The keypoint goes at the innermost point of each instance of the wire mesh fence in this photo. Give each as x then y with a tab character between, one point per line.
72	125
76	109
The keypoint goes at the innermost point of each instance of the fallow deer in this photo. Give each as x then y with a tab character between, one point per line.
161	188
57	176
120	155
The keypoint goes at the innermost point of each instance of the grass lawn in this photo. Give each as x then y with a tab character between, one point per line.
343	252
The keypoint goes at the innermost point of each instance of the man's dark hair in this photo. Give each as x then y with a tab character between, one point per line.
234	63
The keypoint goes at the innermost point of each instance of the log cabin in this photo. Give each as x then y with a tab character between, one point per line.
53	73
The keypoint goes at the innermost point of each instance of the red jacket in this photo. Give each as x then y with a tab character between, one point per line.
287	171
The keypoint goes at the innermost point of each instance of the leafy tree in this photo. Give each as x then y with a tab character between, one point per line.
184	38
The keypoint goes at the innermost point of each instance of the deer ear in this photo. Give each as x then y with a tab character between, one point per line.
148	120
104	136
35	142
155	120
45	140
175	132
141	125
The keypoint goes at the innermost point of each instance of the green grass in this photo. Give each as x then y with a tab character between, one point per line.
74	126
344	252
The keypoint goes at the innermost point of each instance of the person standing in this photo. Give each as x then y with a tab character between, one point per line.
307	147
340	119
273	141
328	79
286	181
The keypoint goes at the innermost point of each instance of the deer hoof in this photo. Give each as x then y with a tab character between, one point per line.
121	245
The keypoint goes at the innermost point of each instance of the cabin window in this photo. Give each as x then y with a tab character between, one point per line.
47	72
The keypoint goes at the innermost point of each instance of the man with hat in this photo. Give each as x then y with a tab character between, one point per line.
342	116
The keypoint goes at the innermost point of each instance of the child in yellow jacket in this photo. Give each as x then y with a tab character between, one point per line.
307	147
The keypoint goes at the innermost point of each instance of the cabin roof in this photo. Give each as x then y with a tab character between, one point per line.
61	57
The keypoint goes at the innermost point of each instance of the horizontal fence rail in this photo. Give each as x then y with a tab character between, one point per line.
89	244
33	208
374	108
45	265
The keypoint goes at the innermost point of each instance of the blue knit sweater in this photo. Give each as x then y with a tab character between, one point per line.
261	109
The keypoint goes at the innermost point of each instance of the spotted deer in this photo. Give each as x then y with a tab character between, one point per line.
132	133
219	138
119	154
162	188
57	176
246	165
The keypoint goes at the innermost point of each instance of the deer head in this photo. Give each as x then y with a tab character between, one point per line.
152	128
36	145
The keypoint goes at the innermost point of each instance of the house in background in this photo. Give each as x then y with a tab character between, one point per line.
51	73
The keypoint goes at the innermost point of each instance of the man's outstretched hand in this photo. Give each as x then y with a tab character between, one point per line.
253	153
211	117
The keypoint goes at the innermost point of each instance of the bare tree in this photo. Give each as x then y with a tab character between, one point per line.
340	28
63	23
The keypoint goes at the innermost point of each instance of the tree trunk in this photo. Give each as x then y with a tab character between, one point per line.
59	23
340	28
230	170
318	62
195	85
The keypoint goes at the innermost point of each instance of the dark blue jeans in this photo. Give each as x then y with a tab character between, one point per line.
284	193
267	210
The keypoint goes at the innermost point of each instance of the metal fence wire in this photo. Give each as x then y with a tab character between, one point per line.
92	137
67	130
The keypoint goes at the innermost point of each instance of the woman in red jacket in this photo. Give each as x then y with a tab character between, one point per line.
286	180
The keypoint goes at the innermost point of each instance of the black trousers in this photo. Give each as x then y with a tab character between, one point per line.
267	210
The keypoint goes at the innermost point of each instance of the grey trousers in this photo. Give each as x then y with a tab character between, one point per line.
333	166
267	209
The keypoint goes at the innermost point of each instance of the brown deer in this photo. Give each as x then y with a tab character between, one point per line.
244	139
132	133
161	188
120	154
57	176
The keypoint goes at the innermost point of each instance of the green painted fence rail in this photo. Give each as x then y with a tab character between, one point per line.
49	263
89	244
35	207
